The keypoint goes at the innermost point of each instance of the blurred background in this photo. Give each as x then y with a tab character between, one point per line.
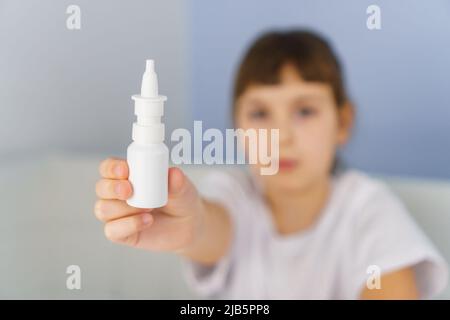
65	104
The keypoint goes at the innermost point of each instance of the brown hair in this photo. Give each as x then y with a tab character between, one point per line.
308	52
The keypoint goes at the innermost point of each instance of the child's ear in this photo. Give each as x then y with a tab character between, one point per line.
346	118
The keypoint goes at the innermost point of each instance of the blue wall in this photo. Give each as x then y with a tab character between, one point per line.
397	76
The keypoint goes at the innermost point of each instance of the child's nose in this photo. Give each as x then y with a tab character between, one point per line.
285	134
283	123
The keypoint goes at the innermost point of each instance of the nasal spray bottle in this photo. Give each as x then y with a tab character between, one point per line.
147	155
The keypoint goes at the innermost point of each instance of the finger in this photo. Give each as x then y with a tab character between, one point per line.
183	196
177	182
121	229
107	210
112	168
113	189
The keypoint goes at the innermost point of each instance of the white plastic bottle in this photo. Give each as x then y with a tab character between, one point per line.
147	155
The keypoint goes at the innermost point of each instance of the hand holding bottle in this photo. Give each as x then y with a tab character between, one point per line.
145	204
170	228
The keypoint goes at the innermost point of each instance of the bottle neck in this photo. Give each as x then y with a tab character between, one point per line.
148	127
151	133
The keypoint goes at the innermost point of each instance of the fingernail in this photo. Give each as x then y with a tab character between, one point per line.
118	188
146	218
118	170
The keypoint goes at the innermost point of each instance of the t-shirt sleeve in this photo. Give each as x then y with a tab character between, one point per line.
388	238
213	281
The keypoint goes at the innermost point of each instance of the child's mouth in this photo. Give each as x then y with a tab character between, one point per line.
287	164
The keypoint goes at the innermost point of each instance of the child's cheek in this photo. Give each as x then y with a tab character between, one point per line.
315	143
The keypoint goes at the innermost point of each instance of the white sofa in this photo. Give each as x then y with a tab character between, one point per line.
47	224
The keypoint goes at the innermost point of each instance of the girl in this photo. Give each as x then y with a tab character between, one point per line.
314	230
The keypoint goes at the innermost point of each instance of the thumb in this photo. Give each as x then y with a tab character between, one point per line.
176	181
182	193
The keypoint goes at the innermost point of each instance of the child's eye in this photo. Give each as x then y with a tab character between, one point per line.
304	112
258	114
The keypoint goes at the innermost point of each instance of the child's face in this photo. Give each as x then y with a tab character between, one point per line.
309	123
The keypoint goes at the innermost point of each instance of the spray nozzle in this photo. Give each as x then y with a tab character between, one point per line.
149	108
149	87
150	65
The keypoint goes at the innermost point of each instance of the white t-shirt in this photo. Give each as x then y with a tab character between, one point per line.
363	224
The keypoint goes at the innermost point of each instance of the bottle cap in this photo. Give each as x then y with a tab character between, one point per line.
149	108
